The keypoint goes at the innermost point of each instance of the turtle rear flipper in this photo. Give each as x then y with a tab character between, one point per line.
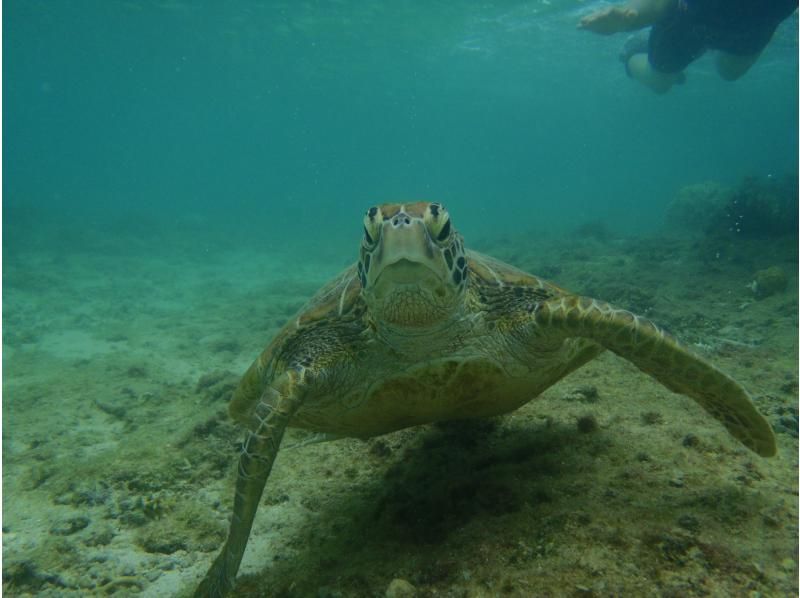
657	353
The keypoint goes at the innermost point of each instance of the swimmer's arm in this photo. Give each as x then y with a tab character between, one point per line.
631	16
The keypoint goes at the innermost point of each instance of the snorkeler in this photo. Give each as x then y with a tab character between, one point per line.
682	30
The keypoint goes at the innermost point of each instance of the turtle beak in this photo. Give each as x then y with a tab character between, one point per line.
405	256
405	239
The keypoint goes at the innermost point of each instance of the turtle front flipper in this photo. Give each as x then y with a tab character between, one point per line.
274	410
657	353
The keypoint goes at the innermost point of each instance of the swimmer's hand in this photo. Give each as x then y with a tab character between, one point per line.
613	19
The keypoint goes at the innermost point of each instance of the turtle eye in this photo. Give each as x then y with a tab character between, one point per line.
372	226
445	232
438	221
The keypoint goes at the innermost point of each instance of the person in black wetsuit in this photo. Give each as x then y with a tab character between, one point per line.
682	30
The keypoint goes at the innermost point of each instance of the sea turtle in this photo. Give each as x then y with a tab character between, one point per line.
421	330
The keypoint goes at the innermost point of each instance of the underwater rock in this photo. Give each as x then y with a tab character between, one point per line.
689	522
593	229
155	541
101	537
690	441
400	588
583	394
587	424
785	420
69	526
678	480
379	448
652	418
25	575
696	207
768	282
759	207
137	371
787	424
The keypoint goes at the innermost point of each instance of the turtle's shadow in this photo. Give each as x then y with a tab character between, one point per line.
441	482
465	470
474	502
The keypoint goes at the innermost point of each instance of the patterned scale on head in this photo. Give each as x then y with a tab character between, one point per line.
412	266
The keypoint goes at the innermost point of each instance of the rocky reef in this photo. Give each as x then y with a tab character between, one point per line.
769	281
695	207
758	207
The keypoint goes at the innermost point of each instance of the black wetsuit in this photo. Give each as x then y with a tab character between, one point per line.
739	27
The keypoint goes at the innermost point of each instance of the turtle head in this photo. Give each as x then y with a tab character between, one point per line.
412	265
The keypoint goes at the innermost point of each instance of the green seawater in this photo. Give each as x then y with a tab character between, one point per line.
180	177
280	121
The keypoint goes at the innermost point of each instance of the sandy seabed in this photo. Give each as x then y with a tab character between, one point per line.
119	458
